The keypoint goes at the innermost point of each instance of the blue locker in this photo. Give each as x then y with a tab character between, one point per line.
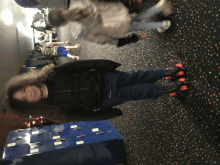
6	162
39	147
17	140
39	153
57	127
92	143
115	146
19	132
63	143
79	128
99	126
37	159
83	139
60	134
77	155
103	154
40	134
104	135
15	151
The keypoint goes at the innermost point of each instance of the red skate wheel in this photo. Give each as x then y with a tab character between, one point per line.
179	65
172	94
183	88
182	79
168	78
180	73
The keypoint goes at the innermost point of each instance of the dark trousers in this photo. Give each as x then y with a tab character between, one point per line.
132	85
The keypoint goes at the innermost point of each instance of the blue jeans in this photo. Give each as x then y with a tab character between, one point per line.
137	25
132	85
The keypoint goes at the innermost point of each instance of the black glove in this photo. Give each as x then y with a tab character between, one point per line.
127	40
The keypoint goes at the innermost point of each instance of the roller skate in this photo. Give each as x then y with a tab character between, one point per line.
176	87
174	73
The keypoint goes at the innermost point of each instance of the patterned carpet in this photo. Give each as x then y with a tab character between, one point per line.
184	129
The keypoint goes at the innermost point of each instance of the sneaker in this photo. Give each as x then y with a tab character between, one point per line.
165	7
77	57
166	25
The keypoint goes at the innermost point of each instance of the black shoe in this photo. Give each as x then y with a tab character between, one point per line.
174	87
175	72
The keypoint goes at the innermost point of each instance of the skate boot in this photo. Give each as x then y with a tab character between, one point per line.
175	87
175	73
165	7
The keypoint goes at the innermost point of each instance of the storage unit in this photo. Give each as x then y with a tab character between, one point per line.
35	62
96	142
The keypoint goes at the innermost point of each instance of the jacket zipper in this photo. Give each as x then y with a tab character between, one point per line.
81	89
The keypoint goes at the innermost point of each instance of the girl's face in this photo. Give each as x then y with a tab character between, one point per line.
30	93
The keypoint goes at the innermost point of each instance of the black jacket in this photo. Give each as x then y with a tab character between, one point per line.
80	87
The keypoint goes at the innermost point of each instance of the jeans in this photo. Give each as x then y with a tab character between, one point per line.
137	25
132	85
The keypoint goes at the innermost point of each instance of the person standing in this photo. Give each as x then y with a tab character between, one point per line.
108	22
76	89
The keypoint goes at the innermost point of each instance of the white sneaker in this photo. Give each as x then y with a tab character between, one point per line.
166	25
165	7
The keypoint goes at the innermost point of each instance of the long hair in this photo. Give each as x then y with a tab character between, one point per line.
31	78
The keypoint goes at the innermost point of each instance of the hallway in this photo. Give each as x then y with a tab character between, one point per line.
16	39
173	131
182	130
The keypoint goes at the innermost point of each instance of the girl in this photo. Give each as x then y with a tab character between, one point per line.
57	50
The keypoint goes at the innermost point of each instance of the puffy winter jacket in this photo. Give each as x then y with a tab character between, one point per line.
80	87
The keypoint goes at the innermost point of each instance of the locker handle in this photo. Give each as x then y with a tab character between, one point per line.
39	143
20	130
18	138
100	132
59	131
78	128
61	139
81	136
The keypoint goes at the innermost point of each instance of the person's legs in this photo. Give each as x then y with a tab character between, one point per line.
73	56
72	47
133	85
59	43
117	96
146	14
163	6
140	26
133	77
